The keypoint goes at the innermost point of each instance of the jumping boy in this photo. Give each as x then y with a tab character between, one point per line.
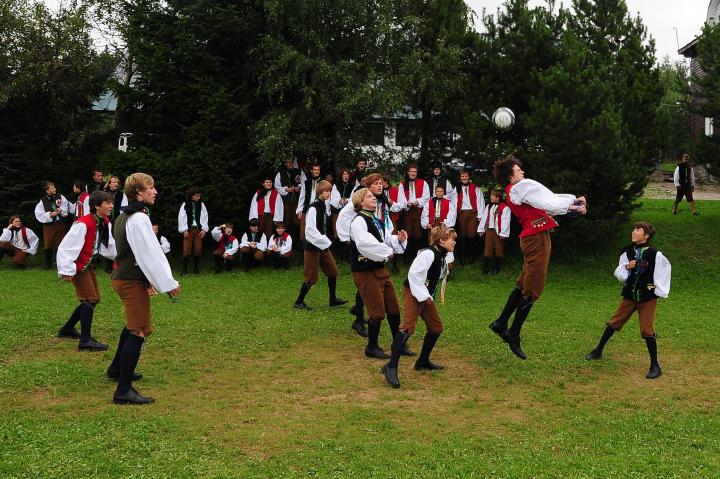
317	253
426	274
142	270
645	274
88	237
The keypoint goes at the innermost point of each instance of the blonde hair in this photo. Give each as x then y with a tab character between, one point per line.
357	198
322	186
441	233
136	183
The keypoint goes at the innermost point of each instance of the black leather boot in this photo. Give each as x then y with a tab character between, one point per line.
497	263
48	258
196	265
597	352
334	300
390	370
423	361
218	263
185	262
512	335
486	265
300	301
655	371
373	350
500	325
394	323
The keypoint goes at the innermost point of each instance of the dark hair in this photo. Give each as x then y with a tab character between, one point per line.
646	227
227	223
466	171
361	159
441	187
192	191
503	169
254	222
14	217
98	198
280	224
45	184
95	170
436	164
79	184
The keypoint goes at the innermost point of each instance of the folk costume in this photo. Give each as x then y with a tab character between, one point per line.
17	243
438	211
417	194
267	207
372	244
226	245
442	180
684	180
285	180
340	196
495	226
81	207
164	243
119	201
426	274
53	226
642	286
192	218
88	237
253	245
307	197
533	205
140	264
280	250
317	254
470	205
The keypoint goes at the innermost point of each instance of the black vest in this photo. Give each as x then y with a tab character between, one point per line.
684	174
357	261
640	285
321	221
441	180
308	192
437	270
190	207
254	237
290	178
127	267
117	204
50	203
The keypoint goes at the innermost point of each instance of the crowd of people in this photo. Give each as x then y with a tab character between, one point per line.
364	217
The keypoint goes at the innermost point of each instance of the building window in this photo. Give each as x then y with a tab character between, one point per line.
708	127
372	133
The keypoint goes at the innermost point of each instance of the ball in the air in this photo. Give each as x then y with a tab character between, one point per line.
503	119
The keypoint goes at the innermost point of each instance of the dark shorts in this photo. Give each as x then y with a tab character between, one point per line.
686	191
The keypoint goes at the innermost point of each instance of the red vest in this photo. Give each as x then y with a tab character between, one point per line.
79	207
419	188
444	210
261	202
87	252
473	196
532	220
280	240
393	192
498	213
224	241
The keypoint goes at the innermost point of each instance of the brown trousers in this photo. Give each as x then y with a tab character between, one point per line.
378	293
646	312
192	244
536	257
257	254
267	224
412	309
302	228
494	244
411	222
467	223
86	285
314	261
136	302
53	234
18	256
289	216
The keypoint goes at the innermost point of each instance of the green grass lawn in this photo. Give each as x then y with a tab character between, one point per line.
248	387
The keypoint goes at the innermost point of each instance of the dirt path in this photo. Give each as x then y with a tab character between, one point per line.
666	190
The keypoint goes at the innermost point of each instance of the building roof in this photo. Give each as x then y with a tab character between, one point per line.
690	50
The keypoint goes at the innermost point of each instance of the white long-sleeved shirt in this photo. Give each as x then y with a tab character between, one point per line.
164	244
230	249
17	240
279	207
183	219
72	244
83	206
312	234
661	276
44	216
417	274
342	225
369	246
148	254
260	245
537	195
676	176
278	182
413	196
490	211
450	191
301	198
283	247
466	203
336	199
400	204
449	221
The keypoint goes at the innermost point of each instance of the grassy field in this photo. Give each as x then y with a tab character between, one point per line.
247	387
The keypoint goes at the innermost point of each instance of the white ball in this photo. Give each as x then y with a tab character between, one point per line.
503	119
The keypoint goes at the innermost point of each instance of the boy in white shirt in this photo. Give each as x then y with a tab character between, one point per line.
17	241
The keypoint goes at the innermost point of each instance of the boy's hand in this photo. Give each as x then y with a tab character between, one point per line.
186	234
175	292
202	234
151	291
68	278
631	265
402	236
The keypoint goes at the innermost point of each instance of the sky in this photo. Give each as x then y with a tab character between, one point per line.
660	16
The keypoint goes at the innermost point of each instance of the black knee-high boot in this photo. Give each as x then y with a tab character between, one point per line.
512	335
390	369
486	265
597	352
218	263
68	330
373	349
129	357
87	342
394	323
497	265
196	265
332	287
655	371
48	258
395	269
185	262
358	324
300	301
113	371
500	325
423	361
